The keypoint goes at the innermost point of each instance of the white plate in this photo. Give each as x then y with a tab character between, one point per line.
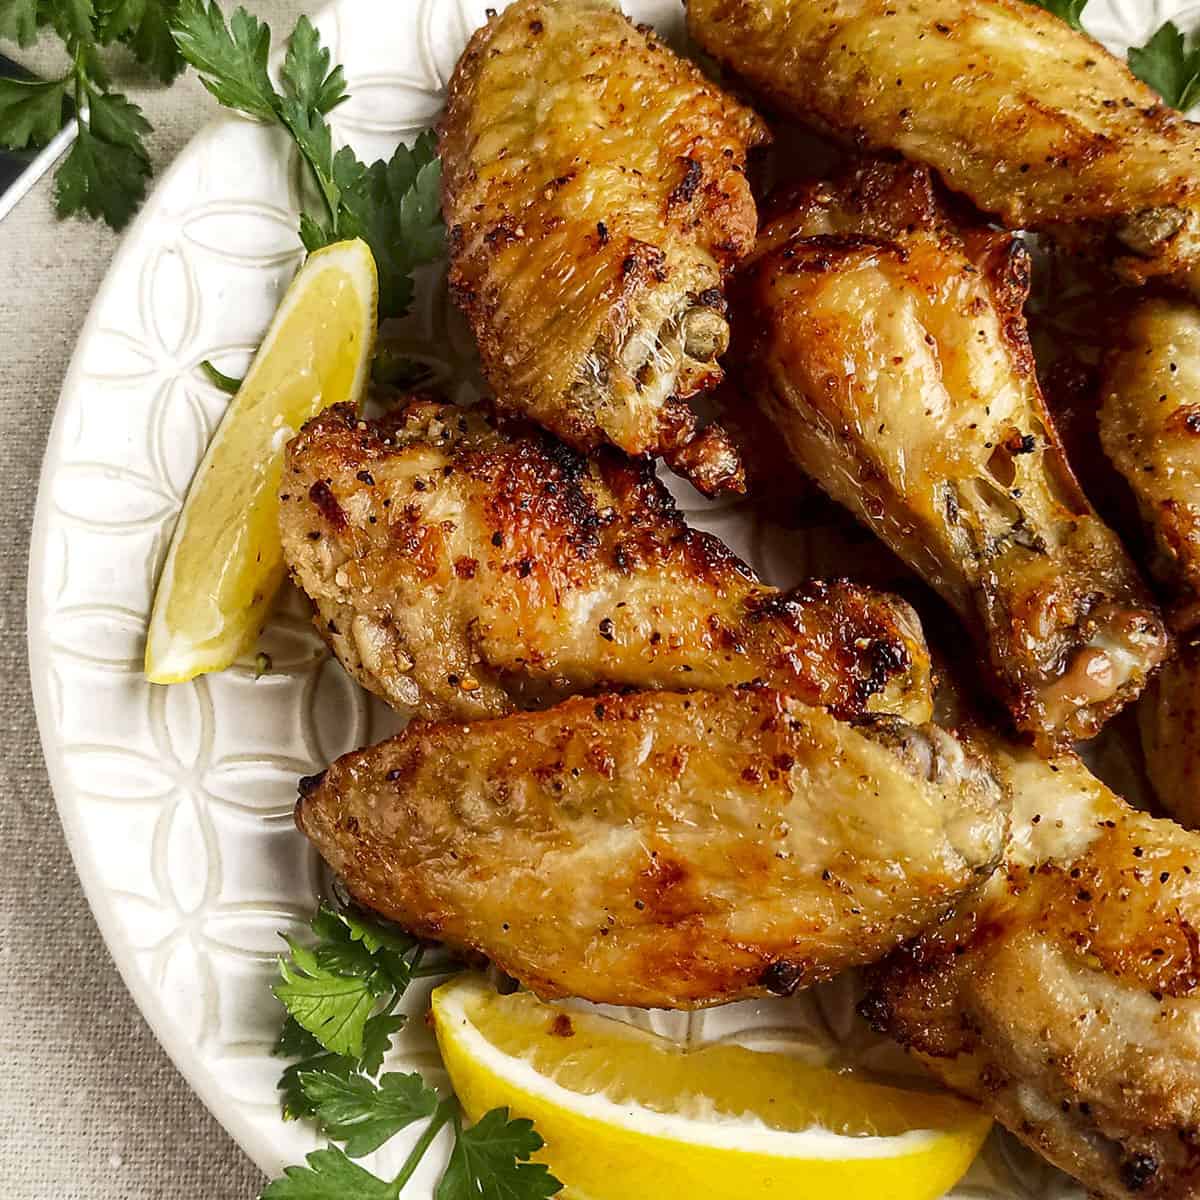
177	801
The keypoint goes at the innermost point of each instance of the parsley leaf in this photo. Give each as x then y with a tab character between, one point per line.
1069	10
73	20
331	990
306	73
353	936
491	1159
332	1006
393	206
297	1042
30	112
231	59
90	71
19	21
144	27
117	18
339	1040
311	91
1169	67
101	178
116	120
363	1114
377	1039
149	40
105	174
330	1175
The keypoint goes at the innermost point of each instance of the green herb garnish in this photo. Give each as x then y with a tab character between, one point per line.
1170	66
225	383
105	173
341	994
393	206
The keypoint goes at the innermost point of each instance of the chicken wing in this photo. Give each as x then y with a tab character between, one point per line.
888	346
1066	998
1034	121
1169	717
1150	429
463	571
661	849
594	188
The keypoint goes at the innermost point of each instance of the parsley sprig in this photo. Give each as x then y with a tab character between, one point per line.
341	994
106	172
1170	66
393	206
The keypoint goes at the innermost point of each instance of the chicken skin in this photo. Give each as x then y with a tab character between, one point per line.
594	189
887	345
1149	425
1066	998
1033	121
1150	429
662	849
1169	719
462	571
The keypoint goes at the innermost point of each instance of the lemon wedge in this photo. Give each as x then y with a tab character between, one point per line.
627	1115
225	561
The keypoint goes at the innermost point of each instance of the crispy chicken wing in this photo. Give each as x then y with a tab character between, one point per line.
661	849
1169	717
1034	121
888	346
1150	429
463	571
1066	998
594	188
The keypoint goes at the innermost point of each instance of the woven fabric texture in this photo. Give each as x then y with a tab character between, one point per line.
91	1107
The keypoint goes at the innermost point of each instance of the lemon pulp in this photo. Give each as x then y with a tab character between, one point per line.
627	1114
225	562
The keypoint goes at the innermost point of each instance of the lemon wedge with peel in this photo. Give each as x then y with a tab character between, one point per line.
628	1115
225	561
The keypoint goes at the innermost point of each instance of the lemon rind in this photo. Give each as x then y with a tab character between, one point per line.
749	1136
169	656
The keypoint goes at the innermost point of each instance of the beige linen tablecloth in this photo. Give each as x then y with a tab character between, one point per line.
90	1106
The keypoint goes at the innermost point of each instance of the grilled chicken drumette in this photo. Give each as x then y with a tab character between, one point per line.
1034	121
1149	425
1150	429
1169	718
461	570
887	344
594	189
661	849
1066	998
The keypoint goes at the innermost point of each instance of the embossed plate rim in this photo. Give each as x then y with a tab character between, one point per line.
150	1004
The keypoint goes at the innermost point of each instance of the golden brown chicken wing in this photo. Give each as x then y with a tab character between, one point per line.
1066	998
661	849
595	193
1150	429
1169	717
462	571
887	344
1034	121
